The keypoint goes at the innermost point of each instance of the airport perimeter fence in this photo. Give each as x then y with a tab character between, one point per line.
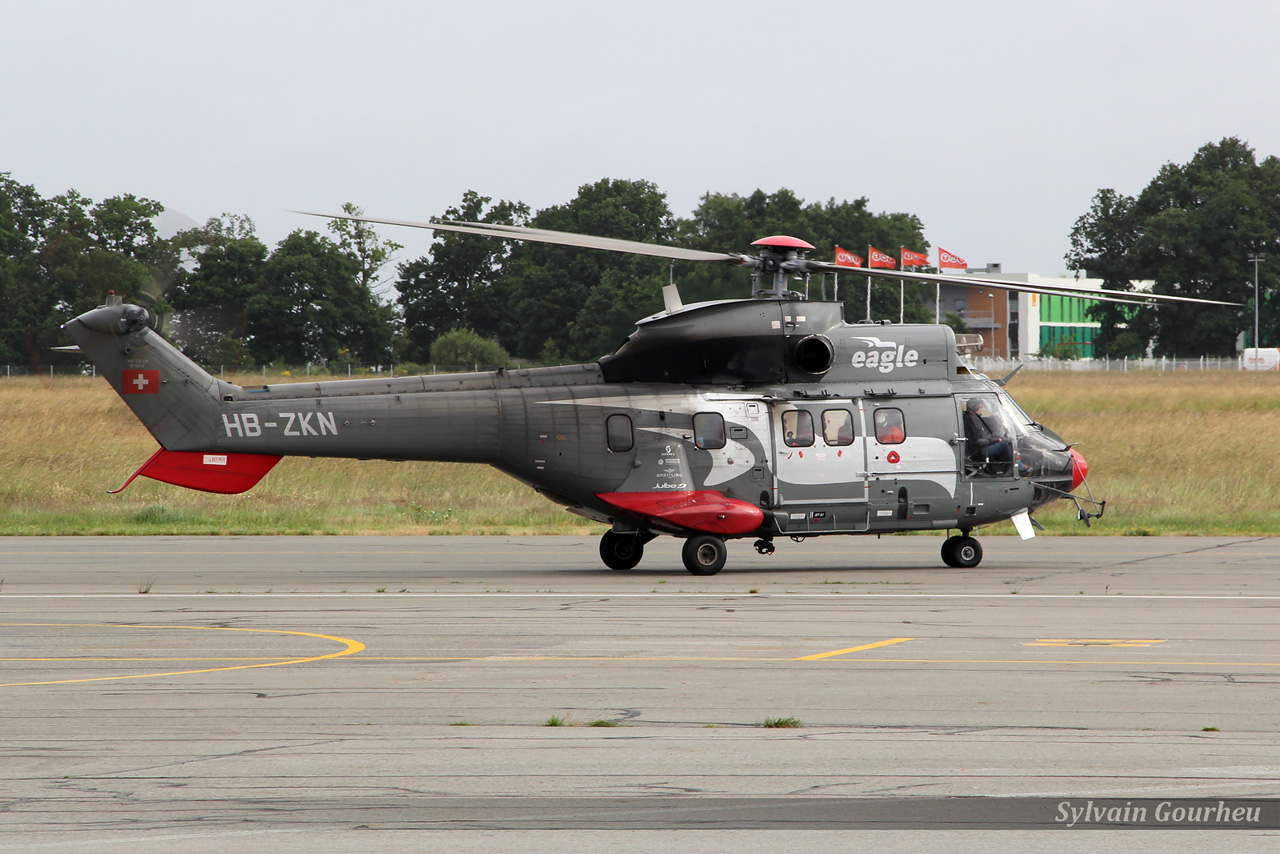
995	366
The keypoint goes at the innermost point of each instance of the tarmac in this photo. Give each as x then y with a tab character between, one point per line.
223	694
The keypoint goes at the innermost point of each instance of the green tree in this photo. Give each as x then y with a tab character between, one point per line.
464	349
731	223
455	286
1190	231
544	287
310	306
61	256
361	241
29	319
611	310
211	302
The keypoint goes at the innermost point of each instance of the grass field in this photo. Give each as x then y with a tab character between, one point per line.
1172	453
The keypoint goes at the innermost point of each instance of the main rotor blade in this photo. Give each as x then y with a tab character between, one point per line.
1102	294
562	238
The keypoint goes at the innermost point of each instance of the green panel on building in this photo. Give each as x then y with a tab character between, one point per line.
1067	342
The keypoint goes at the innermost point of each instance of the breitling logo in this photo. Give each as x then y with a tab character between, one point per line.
884	356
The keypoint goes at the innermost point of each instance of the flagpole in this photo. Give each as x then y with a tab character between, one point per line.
937	293
902	287
868	282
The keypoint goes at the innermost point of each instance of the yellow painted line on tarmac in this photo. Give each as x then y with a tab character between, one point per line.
350	647
863	648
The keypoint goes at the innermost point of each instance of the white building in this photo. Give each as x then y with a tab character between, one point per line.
1024	324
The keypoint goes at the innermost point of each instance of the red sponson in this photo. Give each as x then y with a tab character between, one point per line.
699	510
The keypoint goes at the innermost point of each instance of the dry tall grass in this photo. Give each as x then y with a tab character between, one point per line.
1171	452
66	441
1183	453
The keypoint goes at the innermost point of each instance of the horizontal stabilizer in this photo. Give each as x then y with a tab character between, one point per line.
228	474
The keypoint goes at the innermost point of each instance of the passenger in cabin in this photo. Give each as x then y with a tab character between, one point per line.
837	427
797	427
889	427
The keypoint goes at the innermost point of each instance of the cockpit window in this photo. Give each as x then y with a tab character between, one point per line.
988	437
1022	422
797	428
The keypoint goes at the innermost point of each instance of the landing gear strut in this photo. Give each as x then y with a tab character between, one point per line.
622	551
704	554
962	552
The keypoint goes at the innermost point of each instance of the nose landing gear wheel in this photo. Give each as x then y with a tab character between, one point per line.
621	551
961	552
704	554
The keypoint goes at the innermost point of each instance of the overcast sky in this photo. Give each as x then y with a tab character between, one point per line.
994	122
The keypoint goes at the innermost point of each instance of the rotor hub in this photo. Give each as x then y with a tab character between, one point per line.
780	257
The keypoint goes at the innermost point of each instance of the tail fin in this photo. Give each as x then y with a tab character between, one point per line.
172	396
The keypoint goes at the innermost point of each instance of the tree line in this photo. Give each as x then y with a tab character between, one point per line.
1191	231
229	299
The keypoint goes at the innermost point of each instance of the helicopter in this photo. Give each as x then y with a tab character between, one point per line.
763	417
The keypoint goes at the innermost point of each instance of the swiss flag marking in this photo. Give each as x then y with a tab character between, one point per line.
141	382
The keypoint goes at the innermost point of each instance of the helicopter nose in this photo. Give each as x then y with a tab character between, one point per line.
1079	468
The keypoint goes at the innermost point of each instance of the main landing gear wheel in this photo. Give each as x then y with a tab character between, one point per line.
704	554
621	551
961	552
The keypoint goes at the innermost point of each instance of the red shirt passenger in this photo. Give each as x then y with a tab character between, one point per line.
889	427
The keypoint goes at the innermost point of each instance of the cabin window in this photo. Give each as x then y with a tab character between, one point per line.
618	430
837	427
890	428
708	431
797	428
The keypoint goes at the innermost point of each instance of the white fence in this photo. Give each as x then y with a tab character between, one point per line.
995	366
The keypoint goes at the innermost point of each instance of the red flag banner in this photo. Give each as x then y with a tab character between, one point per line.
914	259
845	258
879	259
946	259
140	382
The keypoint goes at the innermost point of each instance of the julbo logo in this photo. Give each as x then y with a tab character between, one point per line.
884	355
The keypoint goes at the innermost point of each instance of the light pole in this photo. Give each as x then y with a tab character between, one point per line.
994	349
1256	259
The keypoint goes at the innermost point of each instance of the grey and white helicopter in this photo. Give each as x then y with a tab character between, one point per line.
761	418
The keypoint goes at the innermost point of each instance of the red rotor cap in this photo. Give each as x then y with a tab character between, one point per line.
783	241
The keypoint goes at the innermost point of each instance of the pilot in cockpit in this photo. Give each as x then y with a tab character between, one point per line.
985	432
